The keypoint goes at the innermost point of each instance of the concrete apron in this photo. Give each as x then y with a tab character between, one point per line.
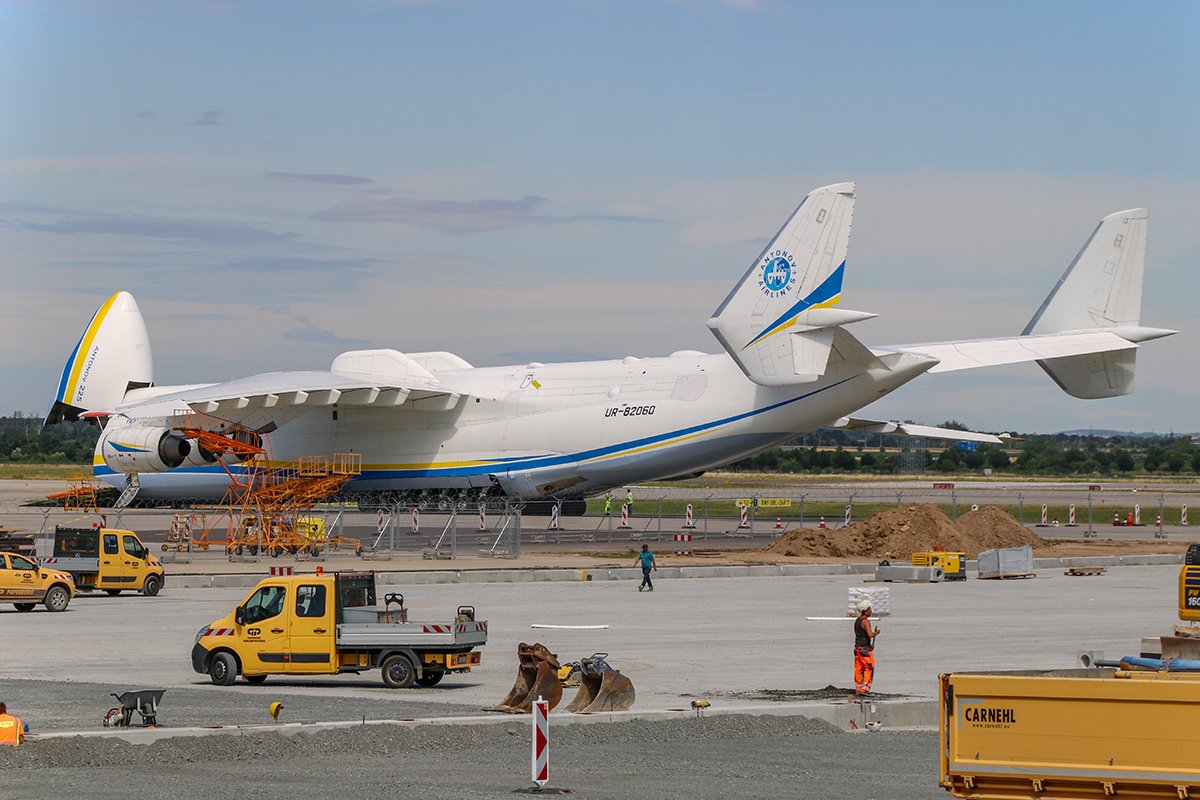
247	579
889	714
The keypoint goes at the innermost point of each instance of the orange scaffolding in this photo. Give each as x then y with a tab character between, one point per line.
80	494
267	501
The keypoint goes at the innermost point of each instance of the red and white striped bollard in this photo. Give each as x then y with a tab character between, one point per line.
540	760
688	520
553	518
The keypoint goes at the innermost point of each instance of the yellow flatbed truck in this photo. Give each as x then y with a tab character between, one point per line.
1070	734
111	559
324	624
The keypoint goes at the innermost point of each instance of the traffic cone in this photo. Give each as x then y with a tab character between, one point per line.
778	523
1159	522
822	520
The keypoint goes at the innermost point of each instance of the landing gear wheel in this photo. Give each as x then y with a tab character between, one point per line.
24	606
152	586
398	671
222	670
255	679
430	679
57	598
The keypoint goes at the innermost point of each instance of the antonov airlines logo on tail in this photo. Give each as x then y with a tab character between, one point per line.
778	273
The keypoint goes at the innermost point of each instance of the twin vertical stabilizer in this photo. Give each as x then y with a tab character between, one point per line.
779	322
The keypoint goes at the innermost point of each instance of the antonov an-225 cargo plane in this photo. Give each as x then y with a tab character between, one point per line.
430	422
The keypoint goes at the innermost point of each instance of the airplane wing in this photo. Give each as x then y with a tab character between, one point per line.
908	429
379	378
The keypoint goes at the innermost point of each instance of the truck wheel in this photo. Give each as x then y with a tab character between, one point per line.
222	670
398	671
57	598
255	679
113	592
430	679
152	586
24	606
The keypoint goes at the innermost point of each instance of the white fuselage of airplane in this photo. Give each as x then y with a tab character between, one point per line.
554	430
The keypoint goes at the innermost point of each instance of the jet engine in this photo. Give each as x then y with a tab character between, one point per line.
143	448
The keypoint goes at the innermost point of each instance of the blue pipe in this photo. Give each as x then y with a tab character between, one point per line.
1163	664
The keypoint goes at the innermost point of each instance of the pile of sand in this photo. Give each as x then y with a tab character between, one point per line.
899	532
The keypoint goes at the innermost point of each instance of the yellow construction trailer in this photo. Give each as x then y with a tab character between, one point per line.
1071	734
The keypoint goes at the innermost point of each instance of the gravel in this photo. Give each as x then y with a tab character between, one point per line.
711	757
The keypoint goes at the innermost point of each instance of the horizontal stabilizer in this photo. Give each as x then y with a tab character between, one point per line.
861	425
970	354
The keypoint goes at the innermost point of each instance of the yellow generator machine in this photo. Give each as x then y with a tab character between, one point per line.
1189	590
953	565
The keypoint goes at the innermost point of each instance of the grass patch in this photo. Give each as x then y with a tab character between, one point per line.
42	472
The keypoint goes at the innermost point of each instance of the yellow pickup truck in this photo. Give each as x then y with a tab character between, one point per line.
318	624
106	558
25	584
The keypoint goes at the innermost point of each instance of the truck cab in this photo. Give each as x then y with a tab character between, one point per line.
317	624
110	559
24	584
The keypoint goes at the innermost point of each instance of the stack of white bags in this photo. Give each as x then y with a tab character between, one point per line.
880	600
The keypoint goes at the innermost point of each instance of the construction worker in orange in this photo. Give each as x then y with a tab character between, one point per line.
864	649
11	731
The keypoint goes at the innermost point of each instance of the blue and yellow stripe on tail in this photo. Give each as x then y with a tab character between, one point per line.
829	293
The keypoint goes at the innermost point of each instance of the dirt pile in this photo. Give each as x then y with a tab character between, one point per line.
899	532
991	527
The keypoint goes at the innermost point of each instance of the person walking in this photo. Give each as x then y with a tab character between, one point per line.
646	559
11	731
864	649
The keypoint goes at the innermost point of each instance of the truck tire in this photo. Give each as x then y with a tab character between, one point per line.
398	671
113	592
255	679
430	678
57	598
24	606
222	669
152	586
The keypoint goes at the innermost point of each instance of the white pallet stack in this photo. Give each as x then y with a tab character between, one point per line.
880	599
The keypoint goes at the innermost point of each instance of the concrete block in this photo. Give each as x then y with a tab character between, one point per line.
904	572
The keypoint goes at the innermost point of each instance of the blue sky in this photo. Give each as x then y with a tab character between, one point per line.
277	182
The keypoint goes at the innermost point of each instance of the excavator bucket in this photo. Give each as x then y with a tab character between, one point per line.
537	676
601	688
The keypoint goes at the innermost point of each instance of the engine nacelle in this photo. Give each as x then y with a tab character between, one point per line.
198	456
143	448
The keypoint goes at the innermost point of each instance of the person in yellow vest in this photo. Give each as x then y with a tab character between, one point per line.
11	730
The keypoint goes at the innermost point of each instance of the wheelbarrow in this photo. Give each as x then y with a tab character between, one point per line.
143	701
